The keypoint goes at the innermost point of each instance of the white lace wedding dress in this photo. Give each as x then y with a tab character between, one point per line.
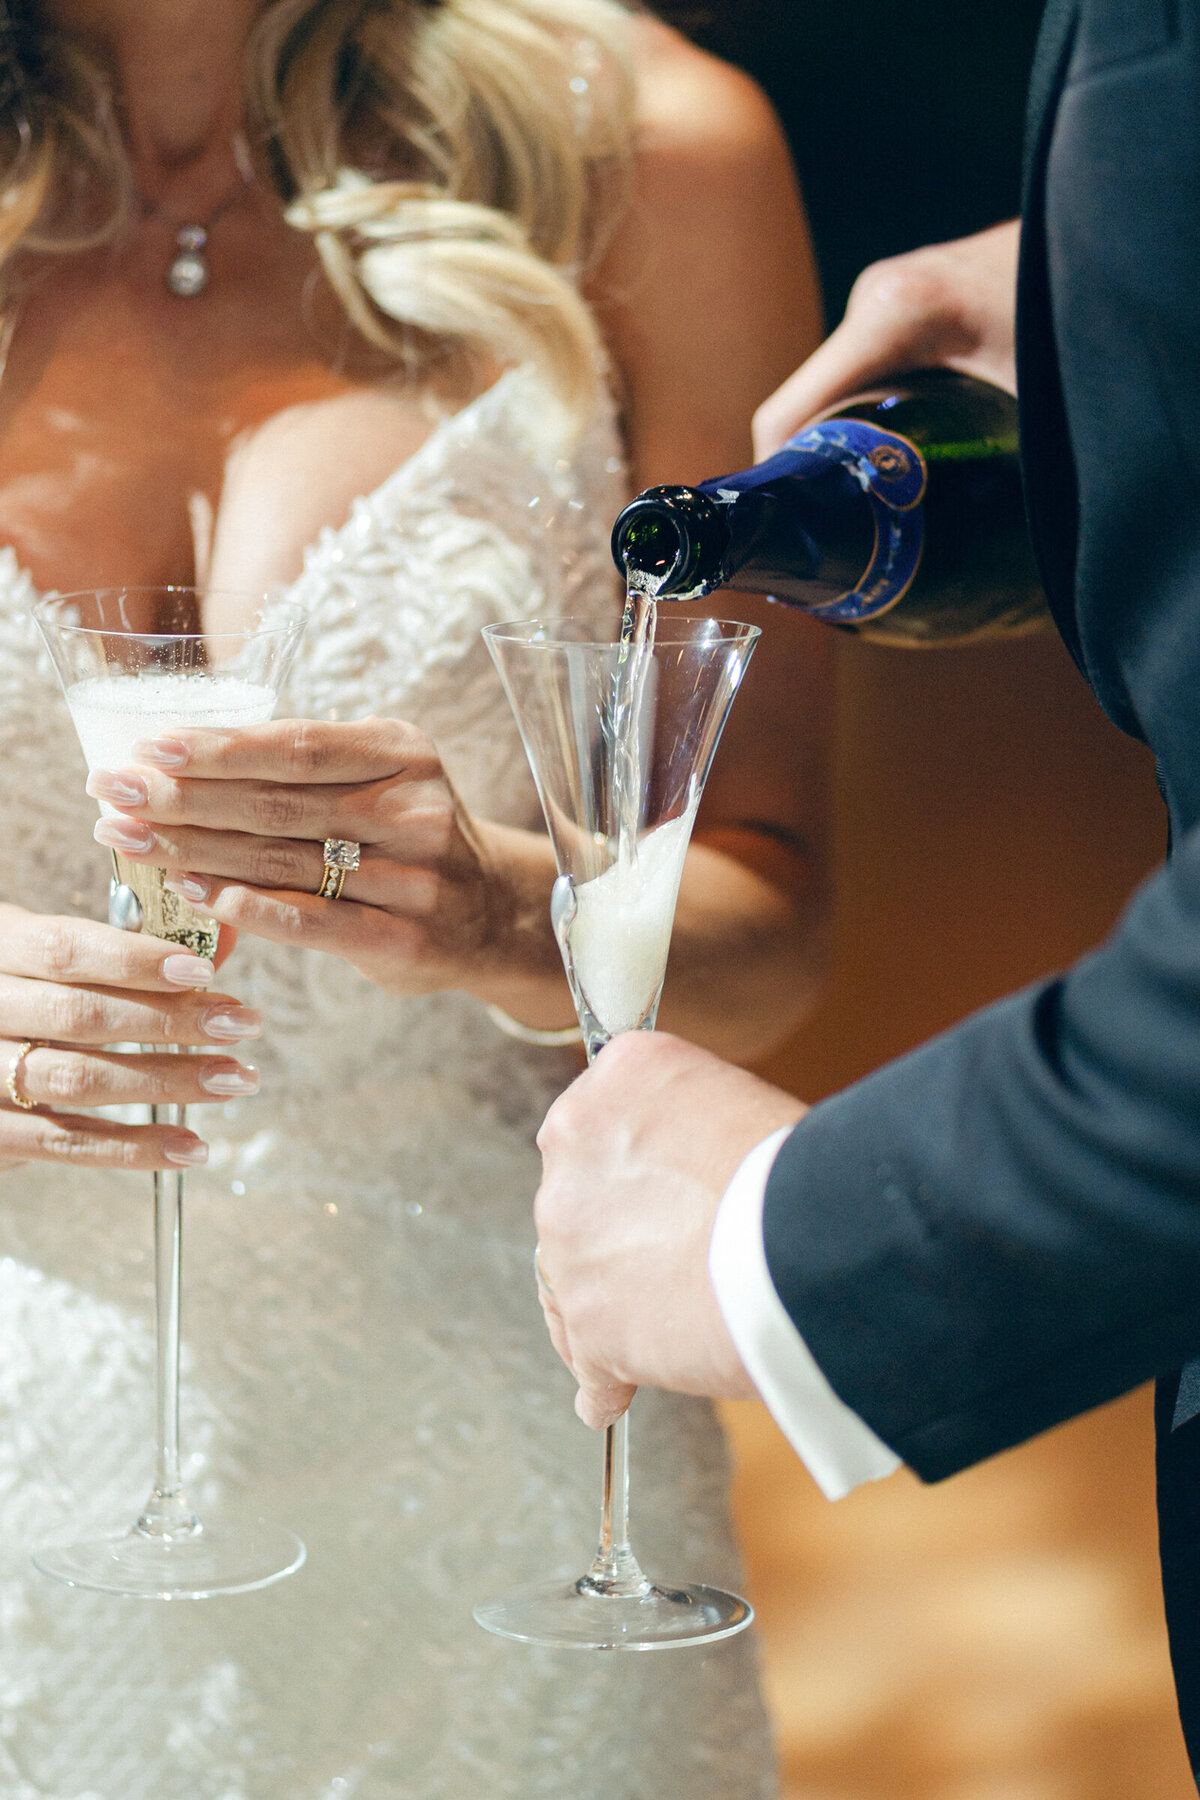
364	1355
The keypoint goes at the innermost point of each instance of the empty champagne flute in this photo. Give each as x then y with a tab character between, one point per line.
620	736
135	662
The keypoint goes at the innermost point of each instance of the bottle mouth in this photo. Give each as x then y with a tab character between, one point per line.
648	541
663	536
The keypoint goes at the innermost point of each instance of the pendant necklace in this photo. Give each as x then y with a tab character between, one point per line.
189	271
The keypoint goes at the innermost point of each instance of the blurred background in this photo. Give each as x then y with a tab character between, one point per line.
1000	1636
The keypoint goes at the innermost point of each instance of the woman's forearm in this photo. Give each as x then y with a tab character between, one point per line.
442	900
750	944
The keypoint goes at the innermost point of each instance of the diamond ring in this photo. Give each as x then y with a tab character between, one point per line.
342	857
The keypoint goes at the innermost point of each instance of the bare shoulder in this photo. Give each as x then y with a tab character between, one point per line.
691	103
707	294
711	153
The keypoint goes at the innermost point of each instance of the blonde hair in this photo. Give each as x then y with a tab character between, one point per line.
453	160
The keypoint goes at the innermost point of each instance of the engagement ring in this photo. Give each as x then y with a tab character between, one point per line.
342	857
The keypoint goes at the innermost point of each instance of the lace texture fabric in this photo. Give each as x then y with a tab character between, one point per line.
364	1355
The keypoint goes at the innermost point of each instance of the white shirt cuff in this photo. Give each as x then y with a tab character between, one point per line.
838	1448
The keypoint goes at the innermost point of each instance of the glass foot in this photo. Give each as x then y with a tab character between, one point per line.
225	1556
572	1615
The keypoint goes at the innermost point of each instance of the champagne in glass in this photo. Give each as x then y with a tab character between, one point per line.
620	736
134	663
110	714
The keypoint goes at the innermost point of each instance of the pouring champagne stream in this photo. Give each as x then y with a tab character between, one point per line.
620	736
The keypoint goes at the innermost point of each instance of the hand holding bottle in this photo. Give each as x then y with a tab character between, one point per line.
898	510
948	305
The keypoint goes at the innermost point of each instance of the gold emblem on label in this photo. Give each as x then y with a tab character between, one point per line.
890	460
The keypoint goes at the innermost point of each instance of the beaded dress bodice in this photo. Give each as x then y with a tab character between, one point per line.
364	1360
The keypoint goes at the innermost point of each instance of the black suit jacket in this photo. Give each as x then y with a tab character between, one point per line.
1003	1229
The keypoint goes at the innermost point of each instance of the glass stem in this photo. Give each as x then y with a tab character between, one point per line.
615	1572
167	1513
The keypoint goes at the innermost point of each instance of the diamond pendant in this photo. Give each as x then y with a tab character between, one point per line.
188	273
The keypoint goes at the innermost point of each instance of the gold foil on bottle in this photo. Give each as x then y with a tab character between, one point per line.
165	915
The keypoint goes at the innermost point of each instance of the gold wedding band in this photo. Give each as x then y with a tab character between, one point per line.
541	1273
342	857
12	1079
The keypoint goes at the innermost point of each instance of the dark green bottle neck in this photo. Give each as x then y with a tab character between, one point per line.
766	529
675	538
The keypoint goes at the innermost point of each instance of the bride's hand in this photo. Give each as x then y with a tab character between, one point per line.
239	820
68	987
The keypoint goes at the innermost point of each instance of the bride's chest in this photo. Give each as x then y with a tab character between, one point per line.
118	410
111	426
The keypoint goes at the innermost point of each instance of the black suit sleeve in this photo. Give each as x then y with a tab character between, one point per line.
1003	1229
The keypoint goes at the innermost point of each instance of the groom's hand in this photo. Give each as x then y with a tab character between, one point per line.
636	1157
949	306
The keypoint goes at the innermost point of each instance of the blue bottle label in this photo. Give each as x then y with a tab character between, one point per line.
892	474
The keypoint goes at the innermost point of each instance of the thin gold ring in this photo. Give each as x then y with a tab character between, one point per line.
541	1273
12	1078
342	856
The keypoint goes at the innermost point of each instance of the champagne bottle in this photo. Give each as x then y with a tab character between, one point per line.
899	515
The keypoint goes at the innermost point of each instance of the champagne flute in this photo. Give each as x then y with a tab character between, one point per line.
135	662
620	737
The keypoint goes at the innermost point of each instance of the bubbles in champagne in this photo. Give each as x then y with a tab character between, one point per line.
110	714
621	932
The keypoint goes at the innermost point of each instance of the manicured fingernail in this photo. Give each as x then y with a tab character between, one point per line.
188	887
188	971
231	1023
185	1149
122	790
228	1080
162	752
124	834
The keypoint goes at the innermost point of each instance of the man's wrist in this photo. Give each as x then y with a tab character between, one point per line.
838	1448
